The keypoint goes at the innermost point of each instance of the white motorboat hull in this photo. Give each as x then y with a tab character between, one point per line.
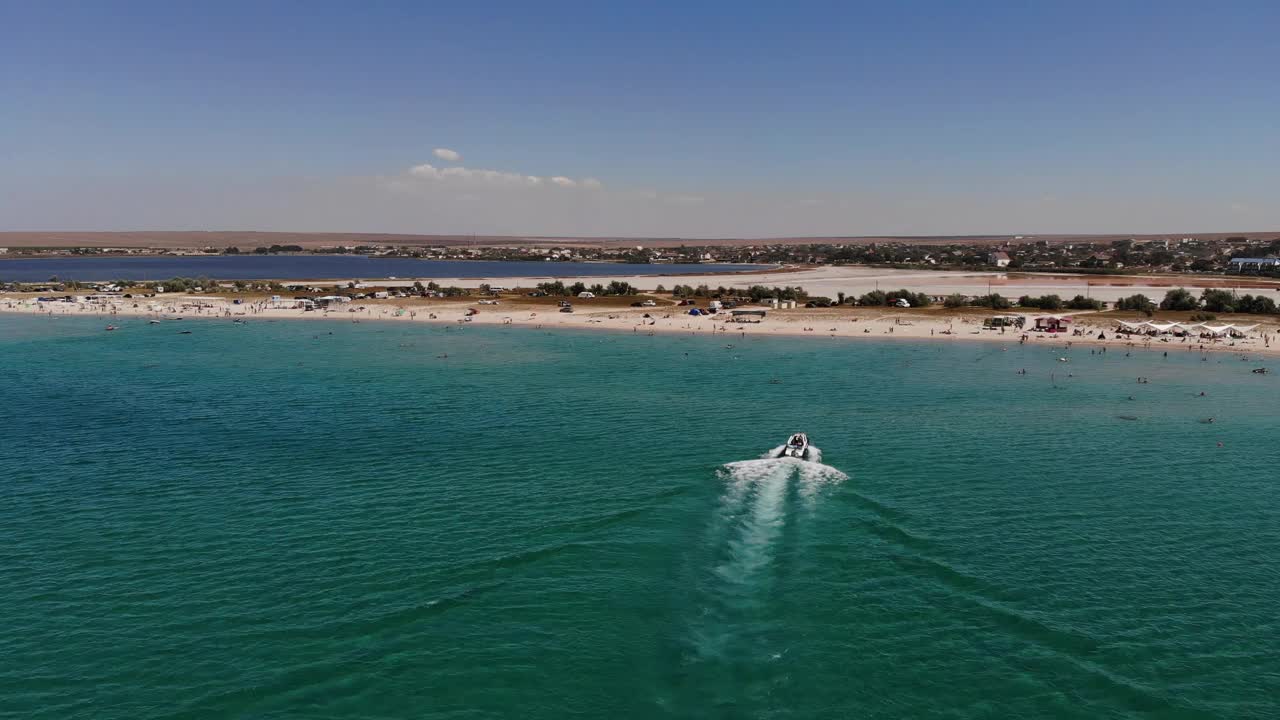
796	447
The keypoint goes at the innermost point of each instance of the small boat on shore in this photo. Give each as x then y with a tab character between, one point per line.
797	447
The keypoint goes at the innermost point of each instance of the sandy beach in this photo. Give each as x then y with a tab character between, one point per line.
934	324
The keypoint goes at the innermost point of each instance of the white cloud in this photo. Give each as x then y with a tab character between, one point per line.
427	171
447	154
495	178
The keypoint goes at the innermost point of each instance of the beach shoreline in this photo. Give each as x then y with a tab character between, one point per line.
864	323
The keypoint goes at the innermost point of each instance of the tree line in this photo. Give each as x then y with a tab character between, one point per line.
1054	302
1211	300
755	293
615	287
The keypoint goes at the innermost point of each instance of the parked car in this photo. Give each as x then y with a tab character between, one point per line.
648	303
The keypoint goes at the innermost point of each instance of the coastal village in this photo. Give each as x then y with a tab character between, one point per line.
1255	254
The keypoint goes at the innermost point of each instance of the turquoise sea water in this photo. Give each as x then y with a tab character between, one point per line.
270	520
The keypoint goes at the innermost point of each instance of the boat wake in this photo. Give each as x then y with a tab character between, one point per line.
745	536
811	475
754	503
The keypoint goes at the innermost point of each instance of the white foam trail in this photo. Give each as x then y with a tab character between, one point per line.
768	477
750	520
814	477
737	486
752	549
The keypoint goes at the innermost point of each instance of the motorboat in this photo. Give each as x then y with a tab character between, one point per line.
797	447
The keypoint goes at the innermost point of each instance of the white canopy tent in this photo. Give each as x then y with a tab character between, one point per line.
1224	330
1160	328
1148	326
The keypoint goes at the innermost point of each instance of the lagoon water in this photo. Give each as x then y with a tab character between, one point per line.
317	267
317	520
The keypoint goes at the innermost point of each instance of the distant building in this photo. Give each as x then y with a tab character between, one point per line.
999	258
1246	265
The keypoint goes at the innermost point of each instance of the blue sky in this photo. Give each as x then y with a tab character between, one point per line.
696	118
